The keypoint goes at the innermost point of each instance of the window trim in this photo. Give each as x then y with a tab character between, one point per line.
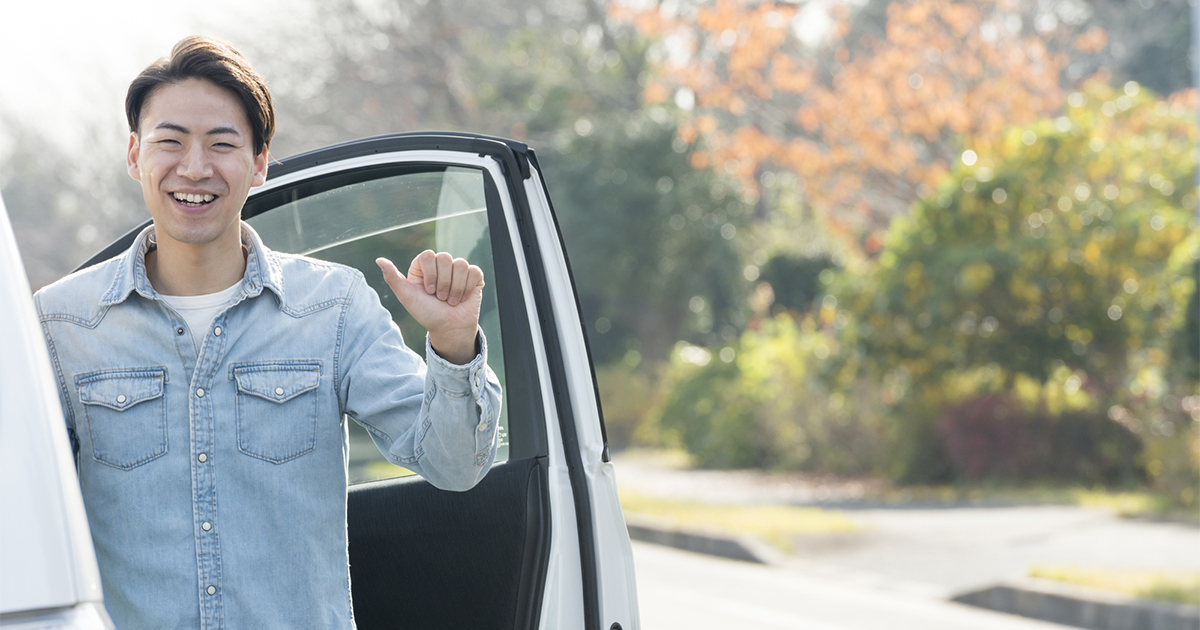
526	415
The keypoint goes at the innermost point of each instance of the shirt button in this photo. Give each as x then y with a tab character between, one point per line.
121	399
179	331
481	427
217	331
202	457
212	590
206	526
278	391
200	393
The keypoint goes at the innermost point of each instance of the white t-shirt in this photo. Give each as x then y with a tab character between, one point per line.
199	311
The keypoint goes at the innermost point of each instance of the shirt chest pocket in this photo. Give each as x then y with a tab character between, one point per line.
126	415
277	408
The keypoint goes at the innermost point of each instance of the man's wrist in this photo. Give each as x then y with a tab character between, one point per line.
458	347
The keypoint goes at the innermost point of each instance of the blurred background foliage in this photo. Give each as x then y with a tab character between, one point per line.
927	240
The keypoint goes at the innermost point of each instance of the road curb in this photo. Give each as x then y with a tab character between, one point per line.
1082	607
743	548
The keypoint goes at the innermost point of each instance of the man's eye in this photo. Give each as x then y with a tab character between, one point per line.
223	145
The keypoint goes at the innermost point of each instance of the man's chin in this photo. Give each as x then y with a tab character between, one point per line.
195	235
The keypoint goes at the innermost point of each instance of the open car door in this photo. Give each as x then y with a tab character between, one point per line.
540	542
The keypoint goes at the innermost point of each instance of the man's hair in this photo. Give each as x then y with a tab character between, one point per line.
214	61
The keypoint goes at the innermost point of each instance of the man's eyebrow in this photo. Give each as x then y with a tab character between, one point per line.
211	132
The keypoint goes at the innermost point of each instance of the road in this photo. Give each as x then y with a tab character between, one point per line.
947	549
963	549
679	589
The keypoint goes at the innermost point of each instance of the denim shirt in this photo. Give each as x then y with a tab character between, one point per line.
215	482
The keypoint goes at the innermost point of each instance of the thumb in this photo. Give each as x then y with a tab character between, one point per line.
400	285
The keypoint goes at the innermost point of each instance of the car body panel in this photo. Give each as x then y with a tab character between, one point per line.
46	548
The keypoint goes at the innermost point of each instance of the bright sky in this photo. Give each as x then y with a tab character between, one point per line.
64	61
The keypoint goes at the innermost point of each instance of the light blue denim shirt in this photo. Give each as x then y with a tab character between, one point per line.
215	482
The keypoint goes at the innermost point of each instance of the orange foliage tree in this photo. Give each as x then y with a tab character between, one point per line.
868	121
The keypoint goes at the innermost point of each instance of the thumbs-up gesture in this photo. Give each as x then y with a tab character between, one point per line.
443	294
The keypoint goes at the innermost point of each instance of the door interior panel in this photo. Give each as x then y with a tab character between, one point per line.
424	558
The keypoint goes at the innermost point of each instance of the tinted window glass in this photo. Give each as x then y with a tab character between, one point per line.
355	217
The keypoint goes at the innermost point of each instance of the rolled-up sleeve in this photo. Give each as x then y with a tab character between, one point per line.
438	420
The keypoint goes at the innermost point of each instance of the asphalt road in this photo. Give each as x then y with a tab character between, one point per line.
679	589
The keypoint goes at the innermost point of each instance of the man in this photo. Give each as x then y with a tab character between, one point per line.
204	377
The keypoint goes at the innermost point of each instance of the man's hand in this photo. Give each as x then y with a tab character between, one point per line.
443	294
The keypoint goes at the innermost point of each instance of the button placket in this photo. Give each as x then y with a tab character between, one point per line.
204	491
204	505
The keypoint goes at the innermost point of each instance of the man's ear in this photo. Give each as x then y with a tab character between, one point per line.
131	156
260	169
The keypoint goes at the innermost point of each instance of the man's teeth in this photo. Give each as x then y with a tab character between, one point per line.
194	198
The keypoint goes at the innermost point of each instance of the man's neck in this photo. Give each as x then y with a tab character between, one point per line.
183	269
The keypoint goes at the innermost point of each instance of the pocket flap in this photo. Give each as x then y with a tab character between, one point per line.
277	382
120	389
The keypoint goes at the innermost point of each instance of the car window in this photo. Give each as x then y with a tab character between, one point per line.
393	211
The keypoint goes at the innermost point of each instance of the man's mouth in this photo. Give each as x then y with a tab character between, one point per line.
192	201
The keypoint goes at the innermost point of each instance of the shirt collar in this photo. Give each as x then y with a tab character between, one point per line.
262	269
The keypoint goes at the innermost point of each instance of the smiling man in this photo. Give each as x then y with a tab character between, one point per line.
204	377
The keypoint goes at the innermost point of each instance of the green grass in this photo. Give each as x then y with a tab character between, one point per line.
1135	503
1125	503
1181	587
377	469
777	524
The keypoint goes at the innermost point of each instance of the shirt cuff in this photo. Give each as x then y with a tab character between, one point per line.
459	378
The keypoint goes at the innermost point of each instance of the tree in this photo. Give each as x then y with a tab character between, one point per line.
864	127
65	206
871	113
1149	41
650	238
1052	269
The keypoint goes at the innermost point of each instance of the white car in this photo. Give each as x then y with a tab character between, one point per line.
541	541
48	574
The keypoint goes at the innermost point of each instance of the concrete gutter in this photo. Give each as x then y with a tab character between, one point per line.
711	542
1082	607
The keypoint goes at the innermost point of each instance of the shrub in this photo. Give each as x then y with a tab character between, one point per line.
764	402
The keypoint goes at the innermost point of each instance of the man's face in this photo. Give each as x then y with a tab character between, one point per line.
194	155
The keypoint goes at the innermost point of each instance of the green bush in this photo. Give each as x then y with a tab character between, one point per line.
627	396
1057	271
1035	318
763	403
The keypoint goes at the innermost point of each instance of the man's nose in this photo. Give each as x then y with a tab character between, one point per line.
195	164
